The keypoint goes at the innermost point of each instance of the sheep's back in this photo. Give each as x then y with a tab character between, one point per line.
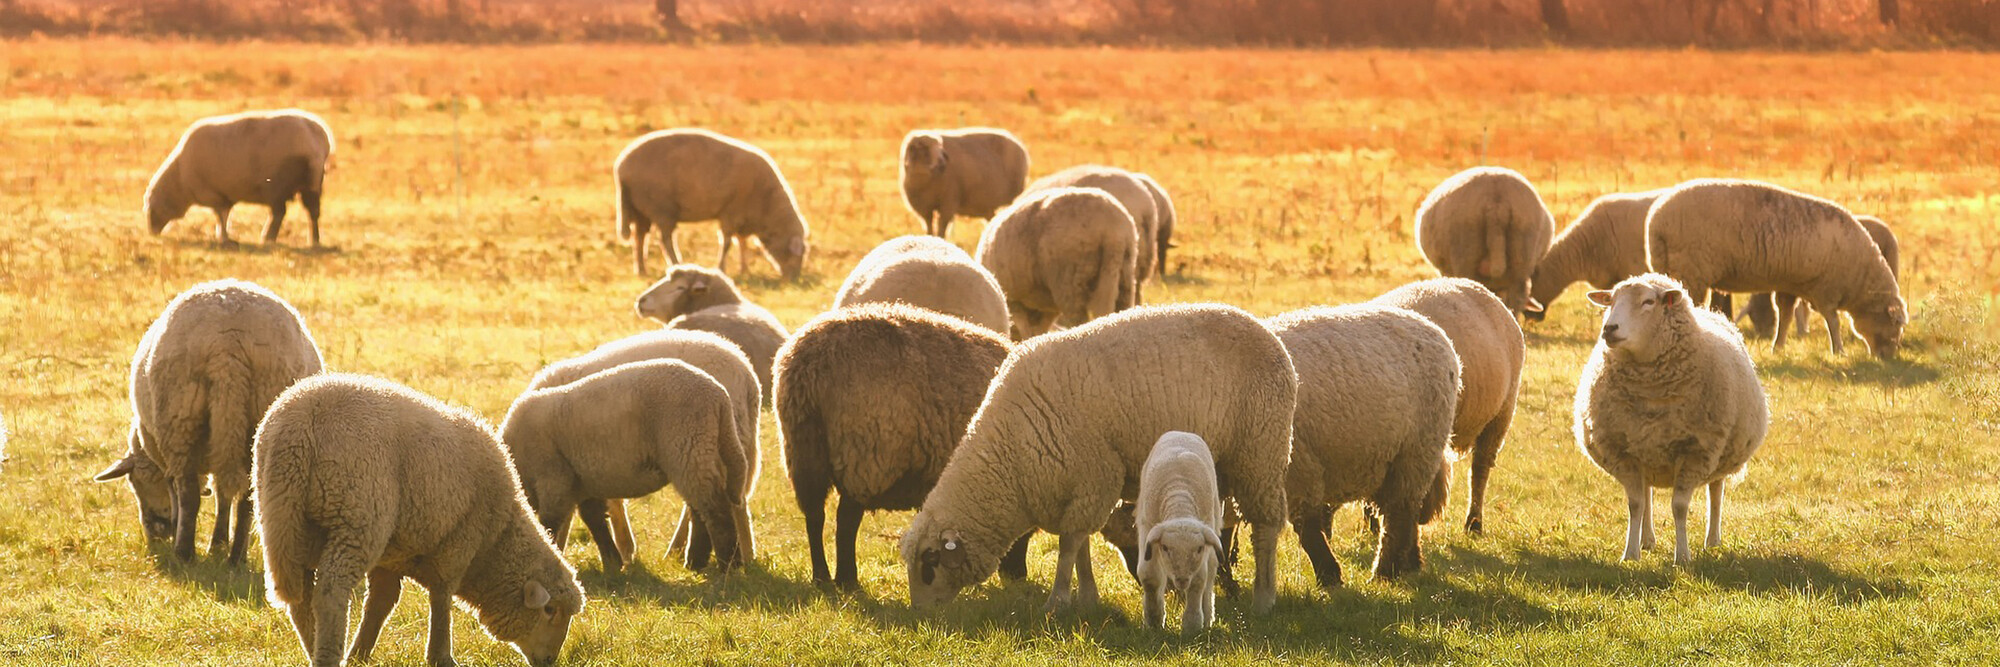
945	280
698	174
1750	236
1487	339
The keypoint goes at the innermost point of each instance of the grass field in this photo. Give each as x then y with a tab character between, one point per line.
472	212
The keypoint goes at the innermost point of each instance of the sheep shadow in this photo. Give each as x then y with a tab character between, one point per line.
1862	369
251	247
241	584
1763	575
750	585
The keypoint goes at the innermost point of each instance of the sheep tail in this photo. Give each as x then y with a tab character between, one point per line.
628	212
1440	491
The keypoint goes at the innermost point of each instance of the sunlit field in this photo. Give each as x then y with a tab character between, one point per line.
470	215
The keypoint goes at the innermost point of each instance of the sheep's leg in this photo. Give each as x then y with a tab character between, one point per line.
310	200
847	524
1066	554
244	517
743	256
1225	562
811	497
1396	552
301	612
1485	453
384	588
718	518
1264	546
639	229
1646	527
340	569
437	648
1785	317
1014	565
677	546
1682	495
1636	515
1802	313
1310	524
222	224
667	243
218	539
187	508
277	222
597	519
1155	604
1714	514
699	544
1832	328
946	213
722	258
1192	619
621	529
1086	577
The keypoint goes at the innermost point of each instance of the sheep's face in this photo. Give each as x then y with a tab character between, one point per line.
1880	323
1542	291
150	487
923	157
1638	309
539	625
790	254
1179	553
942	561
162	208
673	295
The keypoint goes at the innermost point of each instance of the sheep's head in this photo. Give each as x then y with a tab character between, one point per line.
943	560
1879	321
790	254
163	206
1543	288
685	289
536	622
1179	552
1639	309
923	155
150	487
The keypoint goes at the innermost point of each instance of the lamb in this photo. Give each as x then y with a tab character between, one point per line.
1131	192
1762	311
1062	256
972	171
1179	512
260	157
358	476
1487	224
1606	244
1378	391
627	432
674	176
712	354
1051	448
1750	236
927	272
1491	351
699	299
871	401
1163	208
203	375
1668	399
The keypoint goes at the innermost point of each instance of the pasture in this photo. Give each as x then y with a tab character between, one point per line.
470	209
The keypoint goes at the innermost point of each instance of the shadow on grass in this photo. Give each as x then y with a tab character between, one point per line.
1859	368
1764	575
251	247
229	585
749	585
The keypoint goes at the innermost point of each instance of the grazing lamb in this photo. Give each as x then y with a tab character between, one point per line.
1163	207
1762	310
1487	224
871	401
1606	244
927	272
1490	351
1748	236
1062	256
700	299
1378	390
1052	448
358	476
203	375
1179	513
1134	194
1668	399
674	176
972	171
260	157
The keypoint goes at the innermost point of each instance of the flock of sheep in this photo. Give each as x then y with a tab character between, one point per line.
1015	389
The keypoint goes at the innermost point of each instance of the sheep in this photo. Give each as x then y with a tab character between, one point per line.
627	432
1062	256
1052	448
1491	351
1606	244
1762	311
700	299
1134	194
871	400
1487	224
1668	399
260	157
1378	391
927	272
673	176
1163	208
1749	236
712	354
1179	513
972	171
203	375
359	476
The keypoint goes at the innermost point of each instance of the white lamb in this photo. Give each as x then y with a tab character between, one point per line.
1179	513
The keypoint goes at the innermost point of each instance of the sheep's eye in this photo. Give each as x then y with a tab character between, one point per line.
1647	303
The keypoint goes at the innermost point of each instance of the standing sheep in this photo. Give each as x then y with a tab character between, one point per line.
1062	256
1491	351
674	176
1487	224
1748	236
871	400
1179	512
700	299
1762	310
1163	208
1668	399
204	373
972	171
260	157
1052	447
927	272
358	476
1606	244
1134	194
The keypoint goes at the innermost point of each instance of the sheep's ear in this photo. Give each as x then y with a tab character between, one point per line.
1675	297
536	596
120	469
699	286
1214	540
1532	306
927	566
1600	297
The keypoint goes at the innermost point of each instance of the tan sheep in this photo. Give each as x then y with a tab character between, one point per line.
260	157
674	176
1487	224
1163	207
1134	194
1762	311
927	272
698	298
971	171
1062	256
1606	244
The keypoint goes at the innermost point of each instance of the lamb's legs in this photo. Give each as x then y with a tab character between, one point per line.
384	588
1066	554
437	649
1714	514
596	519
222	224
1155	604
847	524
244	517
1264	546
1832	328
1637	514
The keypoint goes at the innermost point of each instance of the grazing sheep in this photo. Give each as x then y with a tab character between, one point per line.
1606	244
204	373
1668	399
700	299
927	272
1179	513
1163	208
712	354
1487	224
1378	390
1134	194
1490	351
1762	311
358	476
625	433
1052	447
871	400
674	176
260	157
1748	236
972	171
1062	256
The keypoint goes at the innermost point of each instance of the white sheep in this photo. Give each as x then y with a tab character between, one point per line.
260	157
1062	256
1606	244
971	171
871	401
1053	448
1163	208
674	176
927	272
1487	224
1134	194
702	299
1762	307
1179	512
203	375
1668	399
358	476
